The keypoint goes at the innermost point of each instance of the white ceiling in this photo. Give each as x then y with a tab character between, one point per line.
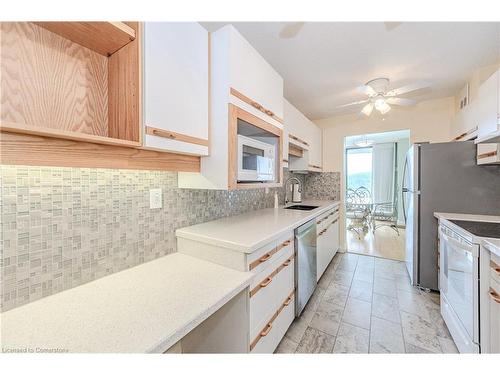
324	63
384	137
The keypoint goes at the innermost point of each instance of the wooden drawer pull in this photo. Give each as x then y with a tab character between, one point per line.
287	302
286	243
494	295
266	330
266	282
487	155
265	257
287	263
495	267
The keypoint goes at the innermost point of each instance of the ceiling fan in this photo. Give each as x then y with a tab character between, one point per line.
380	97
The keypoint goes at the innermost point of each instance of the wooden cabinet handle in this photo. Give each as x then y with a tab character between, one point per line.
266	282
287	302
494	295
257	105
495	267
287	263
266	330
265	257
286	243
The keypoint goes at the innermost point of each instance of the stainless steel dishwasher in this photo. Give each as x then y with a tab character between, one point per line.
305	266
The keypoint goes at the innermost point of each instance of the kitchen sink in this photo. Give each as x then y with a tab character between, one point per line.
302	207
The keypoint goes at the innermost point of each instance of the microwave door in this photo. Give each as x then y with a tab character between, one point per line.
265	169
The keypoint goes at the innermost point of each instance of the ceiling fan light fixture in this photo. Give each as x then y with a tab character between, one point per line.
364	142
379	103
384	108
367	109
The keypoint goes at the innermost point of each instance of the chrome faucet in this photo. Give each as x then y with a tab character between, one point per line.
286	187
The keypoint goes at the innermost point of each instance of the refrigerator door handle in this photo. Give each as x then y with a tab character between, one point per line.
404	190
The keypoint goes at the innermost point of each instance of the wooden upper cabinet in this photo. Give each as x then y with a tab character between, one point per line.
104	38
176	87
54	85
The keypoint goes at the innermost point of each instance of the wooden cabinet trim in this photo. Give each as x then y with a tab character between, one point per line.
267	328
235	113
295	151
255	104
176	136
22	149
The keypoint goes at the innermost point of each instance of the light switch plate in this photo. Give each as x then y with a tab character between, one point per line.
155	198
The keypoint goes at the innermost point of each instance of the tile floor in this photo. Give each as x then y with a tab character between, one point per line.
365	304
384	243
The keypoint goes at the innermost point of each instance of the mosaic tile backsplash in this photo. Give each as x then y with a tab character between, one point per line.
62	227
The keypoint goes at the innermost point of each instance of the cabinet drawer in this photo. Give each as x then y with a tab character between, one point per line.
268	291
271	334
326	219
263	257
488	153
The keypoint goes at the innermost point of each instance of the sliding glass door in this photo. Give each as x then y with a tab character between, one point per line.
359	170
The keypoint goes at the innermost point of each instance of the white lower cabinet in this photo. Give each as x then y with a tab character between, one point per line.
328	240
268	290
270	336
494	310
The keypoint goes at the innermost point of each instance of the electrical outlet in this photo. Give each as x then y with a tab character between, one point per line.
155	198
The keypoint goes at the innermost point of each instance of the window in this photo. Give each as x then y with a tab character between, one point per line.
359	168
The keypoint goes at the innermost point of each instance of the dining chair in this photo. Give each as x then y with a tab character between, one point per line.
387	214
357	210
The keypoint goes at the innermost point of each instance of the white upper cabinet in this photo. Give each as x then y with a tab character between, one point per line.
176	87
465	123
315	149
489	108
244	89
304	141
297	126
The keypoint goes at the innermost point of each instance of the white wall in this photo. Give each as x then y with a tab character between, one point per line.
427	121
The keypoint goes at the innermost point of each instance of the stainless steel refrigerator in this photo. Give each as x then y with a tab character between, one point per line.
442	177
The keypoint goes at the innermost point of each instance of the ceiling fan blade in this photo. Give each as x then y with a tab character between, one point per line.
291	30
401	101
353	103
367	90
367	109
407	88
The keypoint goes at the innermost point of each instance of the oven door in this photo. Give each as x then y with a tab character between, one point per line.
459	279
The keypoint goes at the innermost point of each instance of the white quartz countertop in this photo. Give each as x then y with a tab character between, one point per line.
252	230
147	308
492	244
467	217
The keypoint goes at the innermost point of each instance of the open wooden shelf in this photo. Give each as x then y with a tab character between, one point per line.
65	134
104	38
54	87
